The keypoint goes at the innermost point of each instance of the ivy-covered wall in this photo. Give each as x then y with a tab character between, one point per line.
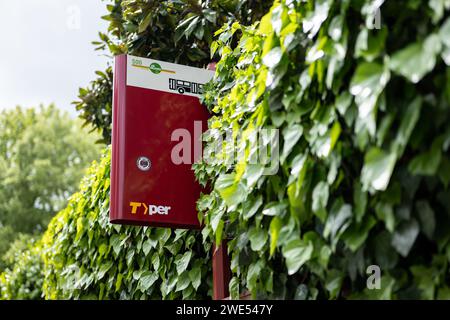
363	116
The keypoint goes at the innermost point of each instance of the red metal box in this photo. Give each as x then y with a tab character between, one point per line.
155	105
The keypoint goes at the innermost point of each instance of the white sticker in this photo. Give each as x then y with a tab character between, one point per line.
165	76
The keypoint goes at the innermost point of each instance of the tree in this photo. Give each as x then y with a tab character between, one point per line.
43	153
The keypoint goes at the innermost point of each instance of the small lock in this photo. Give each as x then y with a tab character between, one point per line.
143	163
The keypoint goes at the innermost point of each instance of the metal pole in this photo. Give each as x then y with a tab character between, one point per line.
221	271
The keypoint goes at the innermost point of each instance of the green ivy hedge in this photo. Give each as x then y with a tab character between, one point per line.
86	257
364	122
24	280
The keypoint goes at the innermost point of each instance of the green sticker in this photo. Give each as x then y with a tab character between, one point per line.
155	68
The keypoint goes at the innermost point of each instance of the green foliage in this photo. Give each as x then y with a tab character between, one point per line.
24	280
7	235
36	144
86	257
172	31
15	247
95	104
363	116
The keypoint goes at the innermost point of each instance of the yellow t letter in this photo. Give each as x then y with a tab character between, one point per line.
134	206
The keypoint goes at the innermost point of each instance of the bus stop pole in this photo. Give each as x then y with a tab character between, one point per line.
221	271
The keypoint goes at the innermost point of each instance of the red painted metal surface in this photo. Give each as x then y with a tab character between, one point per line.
221	272
143	122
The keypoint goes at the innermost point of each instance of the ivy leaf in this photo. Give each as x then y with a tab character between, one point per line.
334	282
385	213
427	218
156	261
195	275
183	281
81	227
104	268
417	59
343	102
252	174
274	209
279	19
102	249
423	276
254	274
291	135
320	199
359	201
115	243
370	43
257	237
405	236
234	288
338	220
274	229
182	261
427	163
231	191
148	245
336	27
147	279
444	34
367	84
251	207
325	144
273	57
385	255
409	120
356	235
119	281
438	7
297	253
377	170
314	19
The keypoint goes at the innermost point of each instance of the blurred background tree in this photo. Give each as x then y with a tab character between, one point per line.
43	153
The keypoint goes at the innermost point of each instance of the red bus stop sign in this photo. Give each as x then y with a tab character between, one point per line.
156	109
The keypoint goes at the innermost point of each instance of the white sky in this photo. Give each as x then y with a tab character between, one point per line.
46	52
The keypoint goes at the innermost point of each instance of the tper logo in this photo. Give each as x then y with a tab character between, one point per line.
148	209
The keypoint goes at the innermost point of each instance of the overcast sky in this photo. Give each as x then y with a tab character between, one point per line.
46	51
